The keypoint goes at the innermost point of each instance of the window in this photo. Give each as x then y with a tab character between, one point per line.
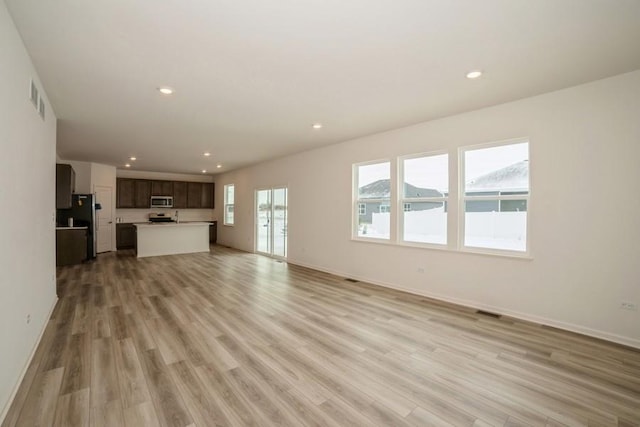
496	196
488	211
229	197
425	189
372	188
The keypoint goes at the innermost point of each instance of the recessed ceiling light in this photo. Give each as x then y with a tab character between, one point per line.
133	159
317	126
207	154
127	165
474	74
218	166
204	171
165	90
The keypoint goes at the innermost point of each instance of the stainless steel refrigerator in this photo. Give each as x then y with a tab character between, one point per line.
83	212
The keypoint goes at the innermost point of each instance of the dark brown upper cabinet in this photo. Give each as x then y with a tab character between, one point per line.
136	193
207	195
143	193
65	185
179	195
161	188
194	195
125	193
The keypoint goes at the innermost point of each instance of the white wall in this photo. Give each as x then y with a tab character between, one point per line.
128	173
142	215
585	210
27	197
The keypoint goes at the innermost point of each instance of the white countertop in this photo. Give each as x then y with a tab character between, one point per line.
71	228
172	224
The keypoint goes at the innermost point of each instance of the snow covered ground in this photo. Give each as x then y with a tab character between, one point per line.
279	236
495	230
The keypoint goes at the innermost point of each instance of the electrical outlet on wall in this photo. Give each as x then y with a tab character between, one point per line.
628	305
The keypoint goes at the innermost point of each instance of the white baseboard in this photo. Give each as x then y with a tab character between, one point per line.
12	396
607	336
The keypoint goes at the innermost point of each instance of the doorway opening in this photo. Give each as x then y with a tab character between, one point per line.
271	222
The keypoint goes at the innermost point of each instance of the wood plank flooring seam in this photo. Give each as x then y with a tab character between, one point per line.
228	338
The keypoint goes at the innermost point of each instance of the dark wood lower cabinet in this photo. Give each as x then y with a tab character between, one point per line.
213	232
71	246
125	236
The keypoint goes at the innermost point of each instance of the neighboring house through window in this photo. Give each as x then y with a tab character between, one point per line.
496	196
424	193
491	199
372	194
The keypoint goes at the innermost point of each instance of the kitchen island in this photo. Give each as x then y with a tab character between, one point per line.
155	239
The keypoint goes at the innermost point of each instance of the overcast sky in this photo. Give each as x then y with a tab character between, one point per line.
432	171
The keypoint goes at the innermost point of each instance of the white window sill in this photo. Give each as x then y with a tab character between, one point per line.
372	240
431	246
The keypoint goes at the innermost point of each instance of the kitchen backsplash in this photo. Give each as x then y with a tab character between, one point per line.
142	215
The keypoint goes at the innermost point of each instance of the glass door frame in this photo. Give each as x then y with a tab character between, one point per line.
271	221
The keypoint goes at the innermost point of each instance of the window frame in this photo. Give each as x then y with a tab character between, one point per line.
226	205
402	200
356	201
463	198
454	201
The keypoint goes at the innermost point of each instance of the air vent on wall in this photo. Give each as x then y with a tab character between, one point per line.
36	99
33	94
41	108
489	314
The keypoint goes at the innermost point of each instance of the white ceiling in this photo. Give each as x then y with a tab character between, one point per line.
252	76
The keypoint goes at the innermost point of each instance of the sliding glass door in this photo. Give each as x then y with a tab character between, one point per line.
271	222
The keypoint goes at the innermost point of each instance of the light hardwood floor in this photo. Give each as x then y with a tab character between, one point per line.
238	339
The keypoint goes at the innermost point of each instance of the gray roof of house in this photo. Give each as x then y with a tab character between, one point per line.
513	177
382	189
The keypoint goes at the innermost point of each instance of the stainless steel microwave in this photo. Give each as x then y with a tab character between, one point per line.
161	201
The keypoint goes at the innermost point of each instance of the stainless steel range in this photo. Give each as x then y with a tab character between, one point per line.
160	218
